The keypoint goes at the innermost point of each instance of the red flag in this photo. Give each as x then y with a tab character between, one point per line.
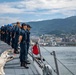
35	49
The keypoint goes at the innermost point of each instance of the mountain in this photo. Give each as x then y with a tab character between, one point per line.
54	26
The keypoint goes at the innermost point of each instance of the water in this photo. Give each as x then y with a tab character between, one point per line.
67	55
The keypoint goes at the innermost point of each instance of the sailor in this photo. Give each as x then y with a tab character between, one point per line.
5	28
7	34
13	36
28	37
2	32
16	37
23	46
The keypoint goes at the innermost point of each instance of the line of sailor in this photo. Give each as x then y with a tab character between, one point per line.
15	35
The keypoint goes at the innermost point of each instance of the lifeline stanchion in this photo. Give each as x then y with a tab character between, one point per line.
59	61
57	70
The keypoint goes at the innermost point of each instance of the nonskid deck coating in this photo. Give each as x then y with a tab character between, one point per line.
13	67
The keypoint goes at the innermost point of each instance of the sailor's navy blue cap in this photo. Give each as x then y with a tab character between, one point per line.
29	26
23	24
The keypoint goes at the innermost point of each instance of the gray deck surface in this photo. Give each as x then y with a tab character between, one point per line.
13	67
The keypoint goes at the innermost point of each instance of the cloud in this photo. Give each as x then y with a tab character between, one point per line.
9	8
37	20
48	4
31	6
8	20
37	8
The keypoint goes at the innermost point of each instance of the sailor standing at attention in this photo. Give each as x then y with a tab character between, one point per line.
28	37
23	46
16	37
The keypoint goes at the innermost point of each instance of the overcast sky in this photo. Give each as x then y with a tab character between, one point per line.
35	10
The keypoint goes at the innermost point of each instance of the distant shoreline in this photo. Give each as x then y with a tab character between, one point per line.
57	46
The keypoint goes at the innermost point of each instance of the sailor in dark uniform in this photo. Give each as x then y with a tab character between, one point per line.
28	37
2	32
13	36
9	34
23	46
16	38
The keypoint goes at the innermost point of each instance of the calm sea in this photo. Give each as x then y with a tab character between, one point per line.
67	55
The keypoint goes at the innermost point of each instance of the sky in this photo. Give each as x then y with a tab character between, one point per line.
35	10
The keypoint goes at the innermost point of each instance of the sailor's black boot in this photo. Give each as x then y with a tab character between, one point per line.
23	64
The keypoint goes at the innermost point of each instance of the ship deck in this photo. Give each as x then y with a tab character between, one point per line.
13	67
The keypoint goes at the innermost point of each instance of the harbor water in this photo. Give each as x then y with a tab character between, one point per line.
67	55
